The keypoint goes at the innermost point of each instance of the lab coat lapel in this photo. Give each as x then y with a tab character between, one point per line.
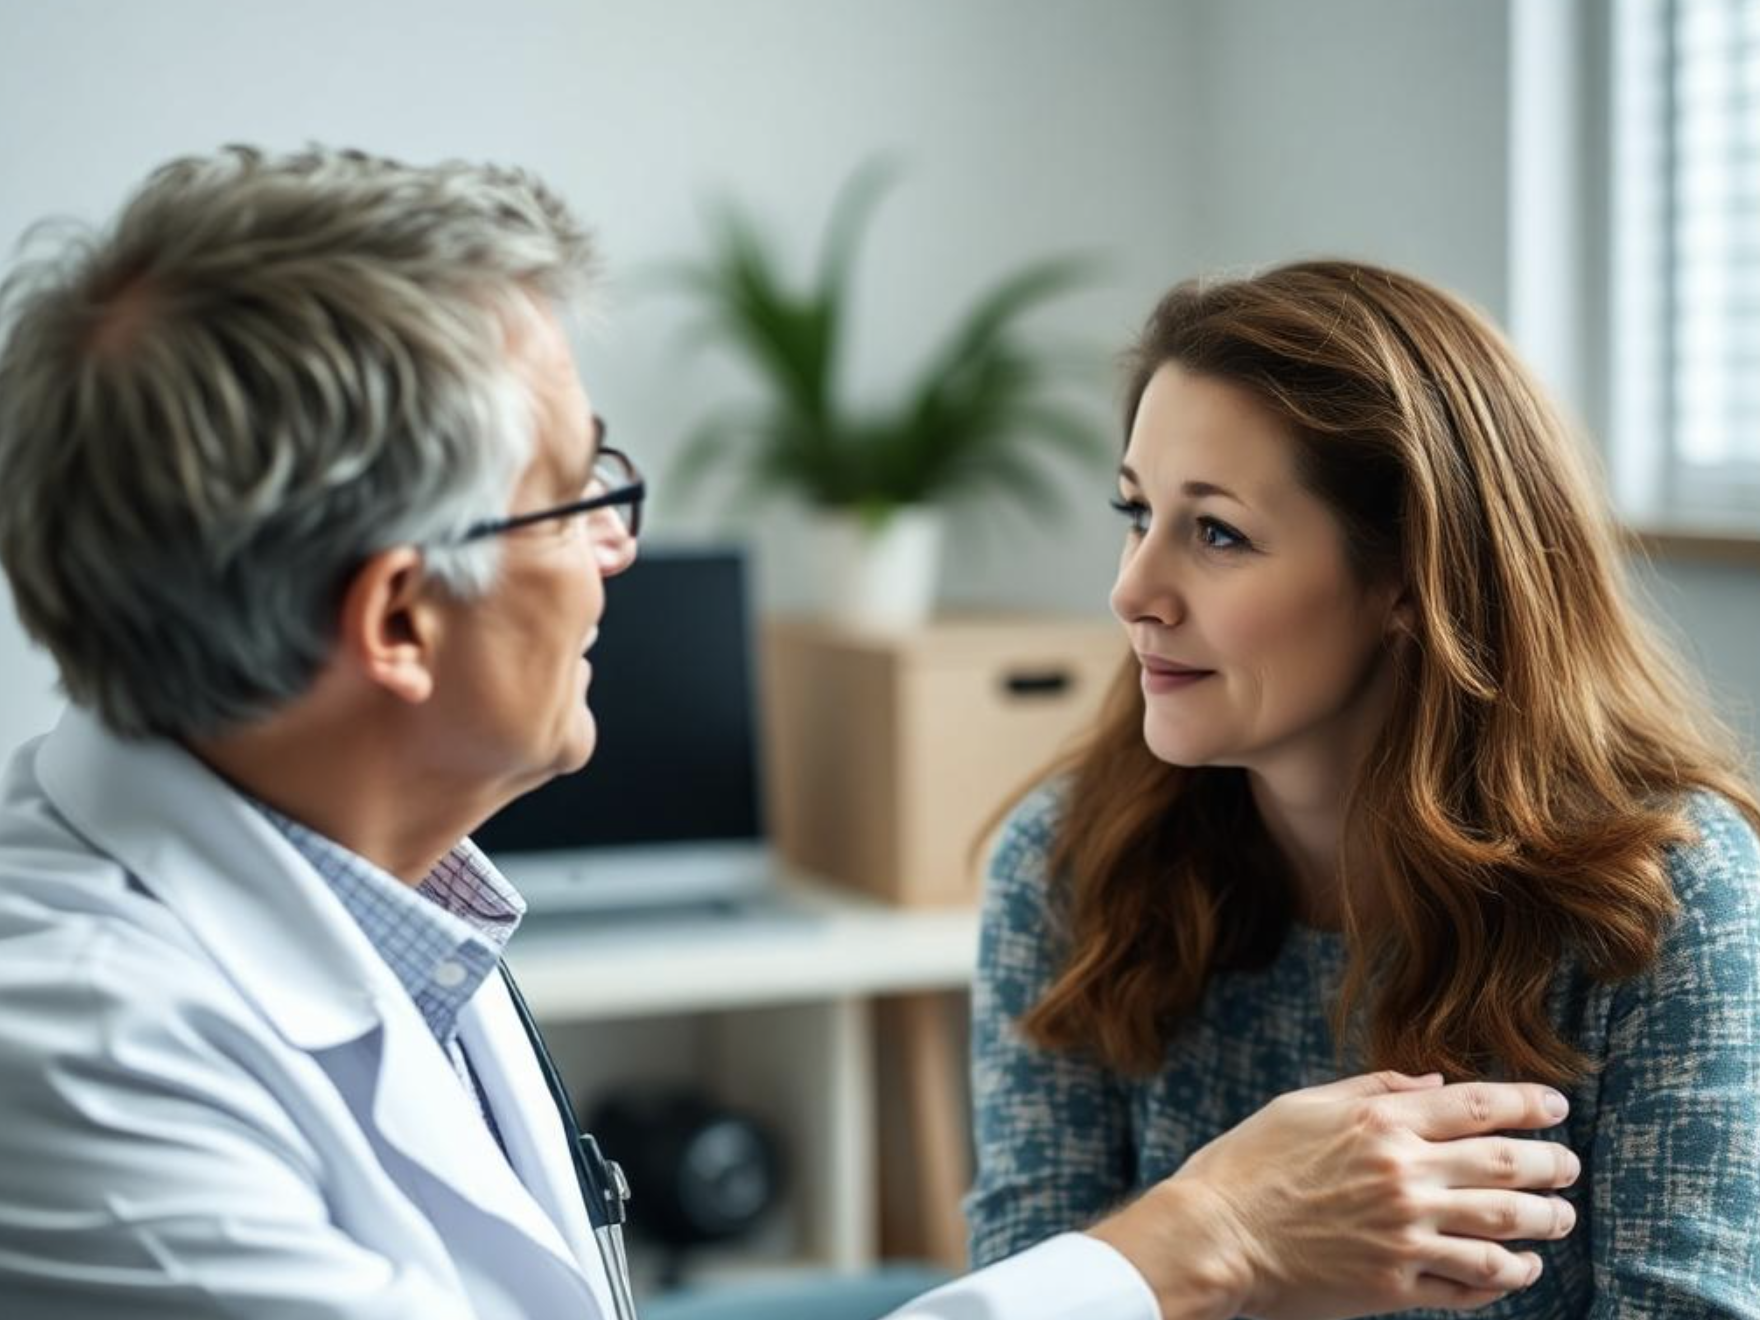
530	1123
421	1109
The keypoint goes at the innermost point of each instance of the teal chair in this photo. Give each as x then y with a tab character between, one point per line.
865	1296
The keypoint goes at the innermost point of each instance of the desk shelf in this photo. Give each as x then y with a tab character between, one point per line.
813	944
773	1011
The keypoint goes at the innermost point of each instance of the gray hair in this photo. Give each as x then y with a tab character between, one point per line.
268	370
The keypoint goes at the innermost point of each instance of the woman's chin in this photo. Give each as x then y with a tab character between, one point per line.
1180	749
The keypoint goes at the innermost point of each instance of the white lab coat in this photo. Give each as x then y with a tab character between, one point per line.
216	1099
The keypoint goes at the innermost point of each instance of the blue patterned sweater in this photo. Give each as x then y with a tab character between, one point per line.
1668	1128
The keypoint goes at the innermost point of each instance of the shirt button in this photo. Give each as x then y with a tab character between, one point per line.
449	975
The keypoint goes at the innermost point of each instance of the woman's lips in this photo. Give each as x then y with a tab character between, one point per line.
1165	676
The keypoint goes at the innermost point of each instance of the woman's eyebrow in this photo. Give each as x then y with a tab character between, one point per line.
1199	489
1193	489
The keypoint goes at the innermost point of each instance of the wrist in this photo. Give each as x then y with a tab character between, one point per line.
1174	1238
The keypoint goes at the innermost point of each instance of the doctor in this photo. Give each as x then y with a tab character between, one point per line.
291	467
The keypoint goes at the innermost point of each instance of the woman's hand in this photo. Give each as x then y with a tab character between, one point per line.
1372	1194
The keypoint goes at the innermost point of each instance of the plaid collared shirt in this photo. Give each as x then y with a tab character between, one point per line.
441	939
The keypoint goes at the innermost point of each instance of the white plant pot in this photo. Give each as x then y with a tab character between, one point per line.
878	578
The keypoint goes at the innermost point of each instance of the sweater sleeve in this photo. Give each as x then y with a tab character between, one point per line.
1053	1130
1676	1191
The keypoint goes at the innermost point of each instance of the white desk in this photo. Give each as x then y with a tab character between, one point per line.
774	1011
825	944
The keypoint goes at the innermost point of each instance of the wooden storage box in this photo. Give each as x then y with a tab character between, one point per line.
887	753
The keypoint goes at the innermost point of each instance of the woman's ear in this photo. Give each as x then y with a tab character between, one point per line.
389	625
1402	615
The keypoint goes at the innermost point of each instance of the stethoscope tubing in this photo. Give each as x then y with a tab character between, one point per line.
602	1185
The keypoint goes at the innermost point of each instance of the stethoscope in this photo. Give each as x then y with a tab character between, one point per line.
604	1189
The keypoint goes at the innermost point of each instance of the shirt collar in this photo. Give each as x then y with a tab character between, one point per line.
441	939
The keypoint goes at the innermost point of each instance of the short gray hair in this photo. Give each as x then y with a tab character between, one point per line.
266	371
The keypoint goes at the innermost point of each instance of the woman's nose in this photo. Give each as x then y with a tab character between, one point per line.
1145	590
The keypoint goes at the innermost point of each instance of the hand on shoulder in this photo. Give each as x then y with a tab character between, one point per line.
1372	1194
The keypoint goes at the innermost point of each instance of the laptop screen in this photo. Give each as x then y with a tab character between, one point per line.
672	694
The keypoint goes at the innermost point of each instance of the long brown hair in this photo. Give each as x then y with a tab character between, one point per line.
1515	810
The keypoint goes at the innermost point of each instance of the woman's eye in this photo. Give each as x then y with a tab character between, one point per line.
1217	535
1136	512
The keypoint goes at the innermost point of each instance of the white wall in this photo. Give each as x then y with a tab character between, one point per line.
1713	613
1173	137
1025	127
1359	128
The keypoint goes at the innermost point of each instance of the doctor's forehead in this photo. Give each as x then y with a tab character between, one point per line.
565	433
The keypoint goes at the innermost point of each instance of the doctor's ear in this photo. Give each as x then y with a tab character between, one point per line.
389	625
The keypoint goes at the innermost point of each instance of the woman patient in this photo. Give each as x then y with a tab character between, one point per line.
1396	777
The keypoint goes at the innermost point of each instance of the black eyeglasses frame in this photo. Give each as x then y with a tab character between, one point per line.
631	493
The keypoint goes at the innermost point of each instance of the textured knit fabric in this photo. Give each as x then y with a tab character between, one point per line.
441	939
1669	1198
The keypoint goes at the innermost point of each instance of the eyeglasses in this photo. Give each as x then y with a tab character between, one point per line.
615	485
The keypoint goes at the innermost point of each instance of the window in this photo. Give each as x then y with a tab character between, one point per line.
1685	246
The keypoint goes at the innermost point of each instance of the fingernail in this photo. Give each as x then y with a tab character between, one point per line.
1533	1273
1555	1105
1573	1166
1567	1216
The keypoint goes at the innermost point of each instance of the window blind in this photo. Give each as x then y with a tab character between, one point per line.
1711	295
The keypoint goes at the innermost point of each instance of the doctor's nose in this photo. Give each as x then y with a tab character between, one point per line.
614	544
615	526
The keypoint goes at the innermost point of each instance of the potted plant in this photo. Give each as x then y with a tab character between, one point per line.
972	420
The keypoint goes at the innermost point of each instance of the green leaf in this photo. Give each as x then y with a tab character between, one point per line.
982	331
973	414
1065	430
851	214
